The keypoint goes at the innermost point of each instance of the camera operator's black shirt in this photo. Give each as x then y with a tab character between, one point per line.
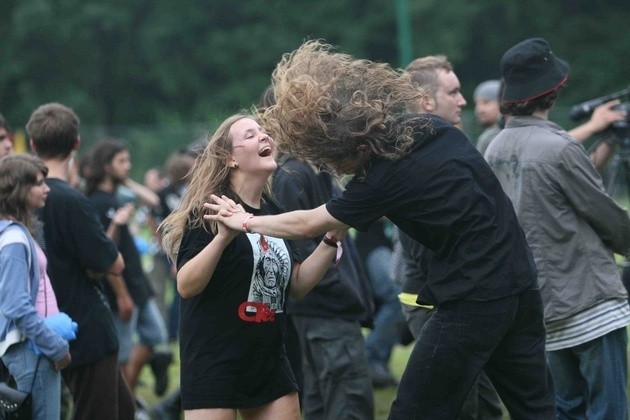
443	194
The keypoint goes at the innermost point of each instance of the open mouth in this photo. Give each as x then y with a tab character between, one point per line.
265	151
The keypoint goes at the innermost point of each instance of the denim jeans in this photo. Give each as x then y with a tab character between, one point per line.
21	362
591	378
506	337
388	318
147	322
150	325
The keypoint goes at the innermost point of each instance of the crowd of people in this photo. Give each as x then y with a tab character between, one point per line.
494	256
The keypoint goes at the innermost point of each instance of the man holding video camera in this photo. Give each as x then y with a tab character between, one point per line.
603	115
572	227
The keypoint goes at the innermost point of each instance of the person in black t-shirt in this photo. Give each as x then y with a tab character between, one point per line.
429	180
177	169
231	336
109	163
79	253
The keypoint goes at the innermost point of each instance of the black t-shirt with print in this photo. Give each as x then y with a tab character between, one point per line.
74	242
135	278
170	196
231	334
443	194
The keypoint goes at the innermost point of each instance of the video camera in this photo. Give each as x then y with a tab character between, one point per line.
620	128
586	108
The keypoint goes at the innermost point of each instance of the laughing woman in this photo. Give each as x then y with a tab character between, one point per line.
234	283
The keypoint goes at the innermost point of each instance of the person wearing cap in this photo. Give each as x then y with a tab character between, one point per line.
486	97
573	228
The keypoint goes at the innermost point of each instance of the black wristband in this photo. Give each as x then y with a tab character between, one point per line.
330	241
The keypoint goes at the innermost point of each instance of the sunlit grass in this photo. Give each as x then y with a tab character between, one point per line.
383	398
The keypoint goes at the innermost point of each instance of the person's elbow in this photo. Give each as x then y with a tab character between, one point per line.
118	266
310	229
152	200
316	222
298	293
186	289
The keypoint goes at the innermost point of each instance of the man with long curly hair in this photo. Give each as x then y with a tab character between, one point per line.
357	117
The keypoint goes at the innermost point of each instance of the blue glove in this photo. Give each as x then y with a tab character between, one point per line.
60	323
63	325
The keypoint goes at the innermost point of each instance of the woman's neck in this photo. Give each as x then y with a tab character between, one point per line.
249	189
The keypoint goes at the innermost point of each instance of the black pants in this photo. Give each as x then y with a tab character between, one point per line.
506	337
100	391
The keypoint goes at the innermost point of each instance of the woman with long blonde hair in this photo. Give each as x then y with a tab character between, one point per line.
234	283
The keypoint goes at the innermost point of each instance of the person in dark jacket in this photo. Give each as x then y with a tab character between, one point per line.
336	381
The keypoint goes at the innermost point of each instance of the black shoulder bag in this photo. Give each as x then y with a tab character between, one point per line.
16	404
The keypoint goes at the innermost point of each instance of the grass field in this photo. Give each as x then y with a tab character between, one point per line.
383	398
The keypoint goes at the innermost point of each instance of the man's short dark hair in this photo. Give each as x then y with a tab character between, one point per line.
54	129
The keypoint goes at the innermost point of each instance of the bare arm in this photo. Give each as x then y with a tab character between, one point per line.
123	298
306	275
601	119
116	281
145	194
292	225
122	216
601	154
118	266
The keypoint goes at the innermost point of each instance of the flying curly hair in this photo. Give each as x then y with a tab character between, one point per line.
337	110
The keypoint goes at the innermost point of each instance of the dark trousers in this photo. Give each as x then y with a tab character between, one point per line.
482	402
337	384
506	337
99	390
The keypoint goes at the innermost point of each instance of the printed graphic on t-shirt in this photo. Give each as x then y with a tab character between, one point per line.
270	278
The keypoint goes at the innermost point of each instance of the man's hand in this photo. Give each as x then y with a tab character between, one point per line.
123	215
601	119
603	116
227	212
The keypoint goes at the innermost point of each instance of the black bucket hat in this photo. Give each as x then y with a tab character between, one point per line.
531	70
